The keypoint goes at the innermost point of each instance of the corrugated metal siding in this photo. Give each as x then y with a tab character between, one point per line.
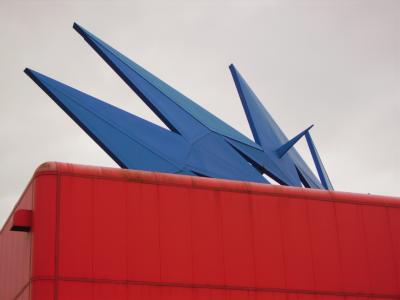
116	233
84	291
15	255
102	233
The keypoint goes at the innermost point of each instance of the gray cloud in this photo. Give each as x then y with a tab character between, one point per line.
332	63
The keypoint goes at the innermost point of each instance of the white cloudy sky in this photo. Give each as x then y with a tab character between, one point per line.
335	64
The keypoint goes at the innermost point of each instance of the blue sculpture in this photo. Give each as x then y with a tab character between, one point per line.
198	143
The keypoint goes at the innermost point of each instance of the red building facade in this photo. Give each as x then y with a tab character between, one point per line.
101	233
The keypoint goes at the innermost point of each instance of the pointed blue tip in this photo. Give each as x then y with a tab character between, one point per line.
309	127
38	78
33	74
28	72
82	31
78	27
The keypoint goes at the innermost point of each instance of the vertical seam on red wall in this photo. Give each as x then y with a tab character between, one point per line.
279	201
57	237
311	243
92	285
253	247
396	263
339	247
127	238
189	199
221	233
364	234
159	230
32	236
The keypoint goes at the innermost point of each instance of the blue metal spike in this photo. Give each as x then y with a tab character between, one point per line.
131	141
265	130
268	134
198	144
177	111
138	144
318	163
281	151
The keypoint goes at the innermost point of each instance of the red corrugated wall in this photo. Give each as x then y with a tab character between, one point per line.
15	256
115	234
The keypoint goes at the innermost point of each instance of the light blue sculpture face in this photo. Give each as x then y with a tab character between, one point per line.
198	143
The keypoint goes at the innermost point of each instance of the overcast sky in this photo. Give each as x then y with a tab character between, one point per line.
335	64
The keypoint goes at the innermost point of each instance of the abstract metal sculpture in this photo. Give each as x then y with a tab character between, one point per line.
198	143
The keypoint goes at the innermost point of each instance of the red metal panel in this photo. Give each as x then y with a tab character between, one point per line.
75	290
144	292
110	230
158	236
302	296
176	293
297	244
394	222
209	294
379	248
264	295
157	292
175	234
208	260
237	239
15	253
238	295
108	291
143	233
43	290
352	248
325	248
76	227
44	226
268	243
332	297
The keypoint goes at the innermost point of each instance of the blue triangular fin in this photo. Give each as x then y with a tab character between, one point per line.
176	110
266	131
281	151
198	143
323	175
131	141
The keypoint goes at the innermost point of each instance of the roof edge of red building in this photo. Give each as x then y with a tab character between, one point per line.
59	168
211	183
